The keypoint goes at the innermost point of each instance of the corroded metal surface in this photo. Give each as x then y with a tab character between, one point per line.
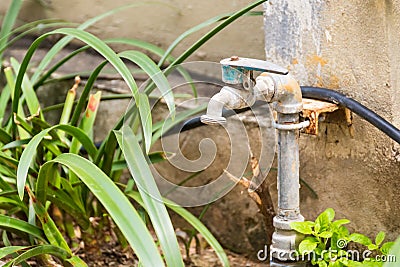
312	109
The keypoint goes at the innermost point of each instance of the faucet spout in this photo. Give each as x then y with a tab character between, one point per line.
228	97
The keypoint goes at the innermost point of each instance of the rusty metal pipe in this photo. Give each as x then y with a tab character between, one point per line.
288	168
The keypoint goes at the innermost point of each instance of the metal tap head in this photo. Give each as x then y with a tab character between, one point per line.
239	70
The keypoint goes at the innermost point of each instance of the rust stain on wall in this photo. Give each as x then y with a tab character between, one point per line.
316	60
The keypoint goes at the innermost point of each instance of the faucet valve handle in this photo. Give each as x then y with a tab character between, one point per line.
239	70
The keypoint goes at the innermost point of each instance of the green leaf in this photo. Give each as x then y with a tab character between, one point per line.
303	227
133	42
64	202
4	98
15	143
213	32
14	202
37	26
355	264
154	157
154	72
189	32
193	221
10	250
97	45
343	232
386	247
372	246
41	250
13	163
324	219
65	40
145	117
87	121
379	238
85	93
118	206
307	246
75	261
361	239
68	104
49	227
27	89
326	234
152	199
17	226
29	152
8	22
336	224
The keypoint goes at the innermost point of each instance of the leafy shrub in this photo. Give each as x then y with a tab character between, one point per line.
44	171
326	242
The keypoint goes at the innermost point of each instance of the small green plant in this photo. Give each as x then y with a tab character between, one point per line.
326	242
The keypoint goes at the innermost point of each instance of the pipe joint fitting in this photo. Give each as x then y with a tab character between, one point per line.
285	241
287	97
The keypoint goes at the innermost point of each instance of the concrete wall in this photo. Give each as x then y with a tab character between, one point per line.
159	22
349	45
354	47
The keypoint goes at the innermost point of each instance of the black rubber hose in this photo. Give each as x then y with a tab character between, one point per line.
318	94
356	107
313	93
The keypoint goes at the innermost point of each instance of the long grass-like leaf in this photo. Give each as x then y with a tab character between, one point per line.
75	261
154	157
213	32
17	226
5	137
158	214
133	42
87	122
189	32
28	28
42	250
196	29
49	227
8	21
118	206
16	101
63	200
85	93
66	203
154	72
13	163
30	151
14	202
10	250
65	40
27	89
146	120
4	98
192	220
97	45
